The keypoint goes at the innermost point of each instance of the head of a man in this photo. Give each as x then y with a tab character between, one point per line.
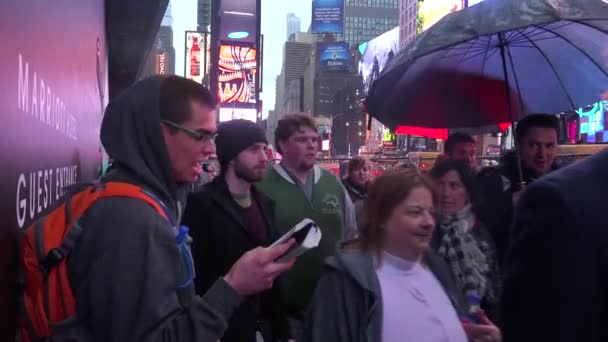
296	139
188	123
537	142
358	171
461	146
241	150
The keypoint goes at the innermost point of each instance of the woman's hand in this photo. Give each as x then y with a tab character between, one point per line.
485	331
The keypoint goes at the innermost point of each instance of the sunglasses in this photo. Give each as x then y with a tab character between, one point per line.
199	135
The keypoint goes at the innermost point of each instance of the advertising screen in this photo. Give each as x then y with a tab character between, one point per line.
592	122
237	74
196	62
334	57
432	11
376	54
227	114
327	16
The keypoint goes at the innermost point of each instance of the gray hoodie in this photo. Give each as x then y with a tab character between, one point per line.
126	270
347	304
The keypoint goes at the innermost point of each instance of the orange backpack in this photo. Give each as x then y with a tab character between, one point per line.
47	296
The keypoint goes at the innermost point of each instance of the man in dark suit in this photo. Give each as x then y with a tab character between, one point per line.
556	281
229	217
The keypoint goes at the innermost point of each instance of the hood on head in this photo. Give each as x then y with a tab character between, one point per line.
132	136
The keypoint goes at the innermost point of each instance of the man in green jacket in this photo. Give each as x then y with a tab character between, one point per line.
302	190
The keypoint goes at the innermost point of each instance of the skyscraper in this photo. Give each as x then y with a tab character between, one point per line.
289	82
161	59
367	19
408	15
204	15
294	24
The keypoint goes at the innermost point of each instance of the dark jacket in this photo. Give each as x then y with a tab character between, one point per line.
358	196
355	192
127	268
496	187
221	237
347	304
556	274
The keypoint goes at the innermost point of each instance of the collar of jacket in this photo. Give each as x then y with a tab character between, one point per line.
352	187
285	175
509	169
218	191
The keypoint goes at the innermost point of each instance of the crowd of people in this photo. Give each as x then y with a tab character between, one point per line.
456	254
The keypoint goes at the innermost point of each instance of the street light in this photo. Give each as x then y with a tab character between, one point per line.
348	137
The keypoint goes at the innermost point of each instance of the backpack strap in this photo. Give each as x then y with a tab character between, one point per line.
105	190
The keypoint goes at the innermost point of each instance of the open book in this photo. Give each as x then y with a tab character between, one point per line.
307	235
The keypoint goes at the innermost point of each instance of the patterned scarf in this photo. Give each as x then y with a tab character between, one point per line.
461	251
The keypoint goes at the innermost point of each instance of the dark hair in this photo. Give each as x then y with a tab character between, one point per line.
536	120
387	192
176	96
455	139
356	163
291	123
464	171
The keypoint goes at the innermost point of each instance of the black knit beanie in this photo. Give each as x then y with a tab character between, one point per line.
233	137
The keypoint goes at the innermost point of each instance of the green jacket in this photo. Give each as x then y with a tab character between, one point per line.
330	208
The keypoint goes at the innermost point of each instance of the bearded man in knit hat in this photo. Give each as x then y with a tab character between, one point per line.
230	217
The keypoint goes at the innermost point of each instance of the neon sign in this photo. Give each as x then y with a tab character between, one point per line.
592	121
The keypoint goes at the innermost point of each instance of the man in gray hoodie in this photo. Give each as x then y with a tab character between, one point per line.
131	280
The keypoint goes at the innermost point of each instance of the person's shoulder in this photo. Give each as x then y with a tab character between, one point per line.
579	173
125	219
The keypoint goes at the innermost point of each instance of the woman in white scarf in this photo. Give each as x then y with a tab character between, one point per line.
462	240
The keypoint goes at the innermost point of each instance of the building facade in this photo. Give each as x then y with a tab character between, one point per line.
204	15
289	93
408	15
367	19
161	60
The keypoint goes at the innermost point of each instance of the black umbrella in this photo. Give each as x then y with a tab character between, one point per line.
552	54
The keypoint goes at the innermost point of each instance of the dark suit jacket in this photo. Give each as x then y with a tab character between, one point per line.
556	271
220	239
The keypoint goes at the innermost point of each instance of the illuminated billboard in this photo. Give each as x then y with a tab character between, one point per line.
592	120
227	114
376	54
196	64
237	69
432	11
334	56
327	16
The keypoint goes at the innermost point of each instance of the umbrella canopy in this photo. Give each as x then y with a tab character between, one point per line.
550	54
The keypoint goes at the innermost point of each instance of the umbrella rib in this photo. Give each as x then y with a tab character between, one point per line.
576	47
521	100
464	54
561	82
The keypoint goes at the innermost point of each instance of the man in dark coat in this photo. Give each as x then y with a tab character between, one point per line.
501	187
556	275
229	217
